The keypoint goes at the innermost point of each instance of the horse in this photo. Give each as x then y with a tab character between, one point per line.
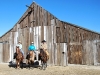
19	58
44	58
30	58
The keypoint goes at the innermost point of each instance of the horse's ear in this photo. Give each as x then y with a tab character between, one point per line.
17	46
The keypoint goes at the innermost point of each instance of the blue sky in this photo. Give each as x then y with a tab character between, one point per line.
84	13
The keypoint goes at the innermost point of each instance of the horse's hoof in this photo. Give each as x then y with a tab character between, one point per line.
44	69
32	68
40	68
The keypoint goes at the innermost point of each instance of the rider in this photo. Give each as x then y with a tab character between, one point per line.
32	47
44	47
20	47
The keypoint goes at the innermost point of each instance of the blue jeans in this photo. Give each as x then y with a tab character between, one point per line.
22	51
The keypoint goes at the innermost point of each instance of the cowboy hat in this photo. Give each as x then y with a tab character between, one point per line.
43	41
19	41
32	42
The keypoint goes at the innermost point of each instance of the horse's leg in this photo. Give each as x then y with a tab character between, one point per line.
29	63
33	58
46	60
46	64
41	65
32	62
26	61
16	64
22	64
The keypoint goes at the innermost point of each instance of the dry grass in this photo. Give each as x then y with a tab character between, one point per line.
52	70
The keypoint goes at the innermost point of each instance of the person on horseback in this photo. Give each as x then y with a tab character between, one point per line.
32	47
44	47
20	47
31	54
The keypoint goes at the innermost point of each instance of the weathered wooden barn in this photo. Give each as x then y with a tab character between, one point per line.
67	43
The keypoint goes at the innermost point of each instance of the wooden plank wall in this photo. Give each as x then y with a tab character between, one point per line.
98	51
67	43
1	53
0	39
81	45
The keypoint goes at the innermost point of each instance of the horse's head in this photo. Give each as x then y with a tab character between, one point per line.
17	49
31	53
43	55
41	52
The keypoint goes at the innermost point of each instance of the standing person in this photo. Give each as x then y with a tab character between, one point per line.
44	47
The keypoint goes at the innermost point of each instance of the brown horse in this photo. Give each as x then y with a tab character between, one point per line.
44	58
30	58
19	58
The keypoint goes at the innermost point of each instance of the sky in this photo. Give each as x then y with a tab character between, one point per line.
84	13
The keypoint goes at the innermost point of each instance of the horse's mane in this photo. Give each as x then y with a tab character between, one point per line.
42	52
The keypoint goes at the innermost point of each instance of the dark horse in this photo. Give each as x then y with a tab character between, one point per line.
19	58
44	58
30	58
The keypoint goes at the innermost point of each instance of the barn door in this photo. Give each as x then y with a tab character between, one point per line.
75	54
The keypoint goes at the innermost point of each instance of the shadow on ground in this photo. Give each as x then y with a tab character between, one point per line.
13	64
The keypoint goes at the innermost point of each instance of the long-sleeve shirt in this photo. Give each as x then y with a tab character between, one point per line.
20	46
43	46
31	47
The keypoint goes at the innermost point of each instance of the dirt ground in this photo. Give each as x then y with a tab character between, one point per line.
51	70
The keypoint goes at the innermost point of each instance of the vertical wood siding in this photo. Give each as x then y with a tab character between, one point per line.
67	43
